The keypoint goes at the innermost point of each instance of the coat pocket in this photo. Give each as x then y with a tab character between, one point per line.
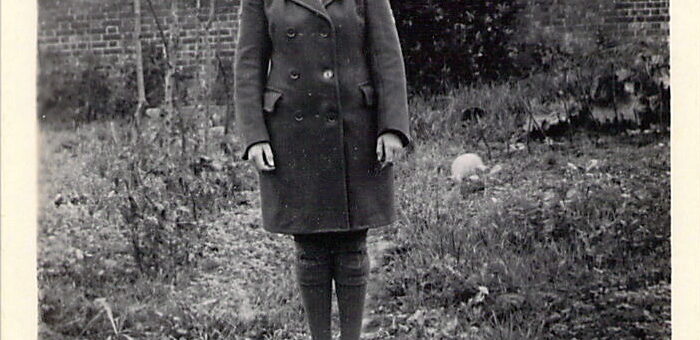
367	93
270	99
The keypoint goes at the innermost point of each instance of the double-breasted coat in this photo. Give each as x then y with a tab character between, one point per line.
320	80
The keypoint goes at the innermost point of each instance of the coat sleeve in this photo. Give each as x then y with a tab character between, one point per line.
250	72
388	70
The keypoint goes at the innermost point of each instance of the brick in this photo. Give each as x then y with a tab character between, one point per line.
96	16
49	40
112	37
79	24
623	5
112	50
188	41
656	18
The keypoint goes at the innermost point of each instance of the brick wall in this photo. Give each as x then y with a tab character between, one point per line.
641	17
104	27
591	19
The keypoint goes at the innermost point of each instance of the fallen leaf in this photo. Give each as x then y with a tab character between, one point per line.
593	164
496	169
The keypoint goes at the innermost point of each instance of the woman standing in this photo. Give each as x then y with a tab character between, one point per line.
321	107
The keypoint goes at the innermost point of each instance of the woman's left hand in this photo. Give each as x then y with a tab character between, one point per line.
389	147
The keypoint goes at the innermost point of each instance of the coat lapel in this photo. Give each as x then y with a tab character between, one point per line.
315	6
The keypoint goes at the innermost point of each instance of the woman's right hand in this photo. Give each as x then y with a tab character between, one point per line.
261	156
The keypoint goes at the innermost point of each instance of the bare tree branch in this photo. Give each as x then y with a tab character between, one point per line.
161	31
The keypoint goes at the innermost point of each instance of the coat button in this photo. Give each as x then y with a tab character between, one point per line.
328	74
294	75
332	116
298	117
291	33
324	34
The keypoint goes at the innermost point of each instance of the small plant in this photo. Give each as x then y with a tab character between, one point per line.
86	88
165	190
617	85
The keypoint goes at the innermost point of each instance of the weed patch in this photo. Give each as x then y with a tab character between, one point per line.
566	240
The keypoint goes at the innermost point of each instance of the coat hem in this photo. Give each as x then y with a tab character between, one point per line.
354	228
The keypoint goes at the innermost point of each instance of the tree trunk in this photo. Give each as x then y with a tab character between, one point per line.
139	65
170	58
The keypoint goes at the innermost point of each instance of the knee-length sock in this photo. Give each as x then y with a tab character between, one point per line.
317	305
351	304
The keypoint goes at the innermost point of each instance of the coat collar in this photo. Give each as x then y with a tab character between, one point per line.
316	6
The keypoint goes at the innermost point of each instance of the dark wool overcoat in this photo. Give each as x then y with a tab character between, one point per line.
320	80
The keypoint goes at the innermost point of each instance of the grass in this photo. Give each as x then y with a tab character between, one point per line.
558	248
569	240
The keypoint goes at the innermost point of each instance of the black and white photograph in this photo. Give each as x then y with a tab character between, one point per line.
353	169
